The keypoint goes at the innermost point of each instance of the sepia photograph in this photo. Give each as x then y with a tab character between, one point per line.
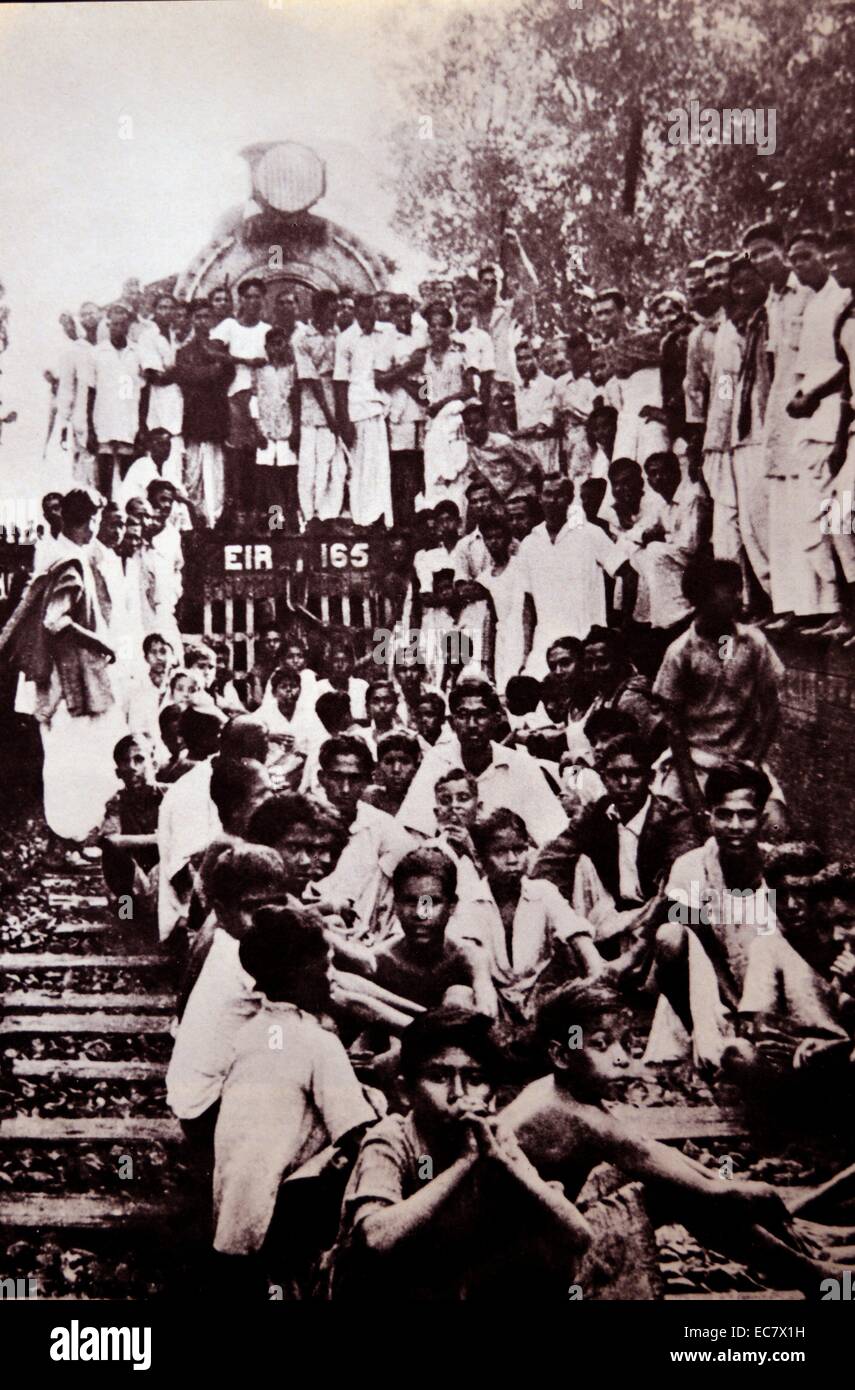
427	667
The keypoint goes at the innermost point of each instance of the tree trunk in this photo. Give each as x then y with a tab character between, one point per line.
632	161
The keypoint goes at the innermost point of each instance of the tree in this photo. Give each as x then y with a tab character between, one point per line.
554	121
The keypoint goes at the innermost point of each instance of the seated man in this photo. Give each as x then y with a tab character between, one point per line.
563	1127
252	686
241	878
720	901
148	685
427	961
429	719
188	820
289	1089
307	837
457	809
381	704
620	854
239	786
295	733
523	709
224	688
613	683
720	684
530	934
398	758
361	879
334	712
506	776
548	741
797	1010
586	740
435	1208
128	833
681	529
339	668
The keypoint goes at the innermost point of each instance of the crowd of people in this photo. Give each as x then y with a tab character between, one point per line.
433	901
735	391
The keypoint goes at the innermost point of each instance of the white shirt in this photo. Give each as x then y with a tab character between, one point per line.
135	482
512	779
357	355
536	401
504	333
470	555
543	919
478	347
505	590
722	411
817	361
785	309
108	566
357	689
166	543
565	579
314	358
444	376
47	549
576	396
362	876
187	822
628	837
115	374
242	340
663	563
405	413
290	1092
222	999
427	563
637	438
165	403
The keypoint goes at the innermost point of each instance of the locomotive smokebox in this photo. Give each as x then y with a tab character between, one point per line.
275	236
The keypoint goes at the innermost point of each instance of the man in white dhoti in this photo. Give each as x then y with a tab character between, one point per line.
401	376
635	390
500	578
816	418
165	400
681	528
449	381
114	401
717	448
112	588
838	511
748	310
720	902
575	394
57	637
785	308
322	467
361	410
537	427
75	374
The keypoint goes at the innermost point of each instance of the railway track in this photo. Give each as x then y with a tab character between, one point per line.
97	1196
